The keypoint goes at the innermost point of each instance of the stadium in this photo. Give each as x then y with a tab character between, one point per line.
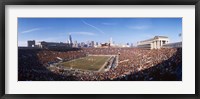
100	64
102	49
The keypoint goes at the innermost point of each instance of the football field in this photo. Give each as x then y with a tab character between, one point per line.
93	63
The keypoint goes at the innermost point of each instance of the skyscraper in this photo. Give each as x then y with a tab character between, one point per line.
75	44
92	43
70	40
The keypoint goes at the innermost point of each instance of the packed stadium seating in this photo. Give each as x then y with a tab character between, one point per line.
135	64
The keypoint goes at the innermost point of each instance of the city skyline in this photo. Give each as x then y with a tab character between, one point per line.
122	30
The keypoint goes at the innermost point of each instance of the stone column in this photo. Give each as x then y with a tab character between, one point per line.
160	43
154	44
151	45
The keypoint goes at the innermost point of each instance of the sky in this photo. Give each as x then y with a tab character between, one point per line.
121	30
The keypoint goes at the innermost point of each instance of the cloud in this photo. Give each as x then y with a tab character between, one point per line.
30	30
139	27
109	23
84	33
93	27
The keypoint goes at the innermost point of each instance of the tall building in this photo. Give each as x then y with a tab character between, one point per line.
31	43
92	43
79	45
70	40
82	44
97	43
75	44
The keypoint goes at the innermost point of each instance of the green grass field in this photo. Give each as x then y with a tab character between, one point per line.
93	63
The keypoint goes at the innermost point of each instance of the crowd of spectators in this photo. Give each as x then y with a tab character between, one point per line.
133	64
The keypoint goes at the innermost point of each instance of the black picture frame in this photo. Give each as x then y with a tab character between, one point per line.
3	3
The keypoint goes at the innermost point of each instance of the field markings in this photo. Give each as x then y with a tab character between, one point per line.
86	66
104	64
